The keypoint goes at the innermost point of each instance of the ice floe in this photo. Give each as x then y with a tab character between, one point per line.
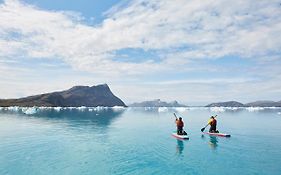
180	109
118	108
163	109
217	109
33	110
253	109
30	110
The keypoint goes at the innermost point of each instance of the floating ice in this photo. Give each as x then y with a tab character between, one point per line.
148	108
197	108
118	108
57	108
82	108
232	108
273	107
13	108
29	110
252	109
162	109
41	108
70	108
217	109
100	108
180	109
33	110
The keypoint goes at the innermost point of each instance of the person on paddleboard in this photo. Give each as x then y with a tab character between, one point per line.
180	126
213	125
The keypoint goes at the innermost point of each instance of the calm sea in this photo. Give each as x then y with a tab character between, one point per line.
87	141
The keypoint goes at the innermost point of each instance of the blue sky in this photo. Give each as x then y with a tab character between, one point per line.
192	51
92	10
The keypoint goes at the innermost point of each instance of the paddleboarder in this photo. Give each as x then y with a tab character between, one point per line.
213	128
180	125
213	125
180	131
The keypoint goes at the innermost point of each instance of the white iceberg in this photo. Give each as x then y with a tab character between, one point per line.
82	108
30	110
13	108
253	109
57	109
162	109
118	108
217	109
180	109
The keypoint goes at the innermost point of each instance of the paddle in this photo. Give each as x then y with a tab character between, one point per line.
202	130
175	115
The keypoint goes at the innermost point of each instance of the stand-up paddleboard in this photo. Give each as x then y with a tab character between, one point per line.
183	137
217	134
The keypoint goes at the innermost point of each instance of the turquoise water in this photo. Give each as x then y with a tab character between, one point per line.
138	141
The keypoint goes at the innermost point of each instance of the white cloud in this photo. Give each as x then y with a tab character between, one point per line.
180	32
203	81
211	28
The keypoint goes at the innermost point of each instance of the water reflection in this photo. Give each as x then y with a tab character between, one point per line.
99	118
213	142
74	118
179	147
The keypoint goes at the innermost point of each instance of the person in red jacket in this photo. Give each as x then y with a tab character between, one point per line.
180	126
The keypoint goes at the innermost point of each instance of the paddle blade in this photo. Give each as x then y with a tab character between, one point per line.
202	129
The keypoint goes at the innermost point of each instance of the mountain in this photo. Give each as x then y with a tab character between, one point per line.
76	96
157	103
251	104
226	104
264	104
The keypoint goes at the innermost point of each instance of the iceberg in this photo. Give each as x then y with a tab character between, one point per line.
118	108
148	108
217	109
253	109
162	109
180	109
57	109
81	108
29	110
13	108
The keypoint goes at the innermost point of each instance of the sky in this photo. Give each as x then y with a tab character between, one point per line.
192	51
